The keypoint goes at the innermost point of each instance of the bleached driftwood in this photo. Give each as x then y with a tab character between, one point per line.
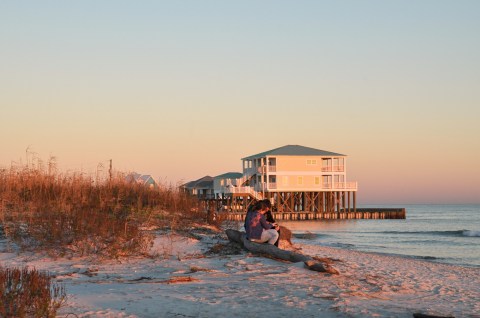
420	315
272	250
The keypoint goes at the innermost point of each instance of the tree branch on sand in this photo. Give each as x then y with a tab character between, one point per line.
310	262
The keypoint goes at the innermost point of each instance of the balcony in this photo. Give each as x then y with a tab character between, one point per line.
273	186
335	186
340	168
340	185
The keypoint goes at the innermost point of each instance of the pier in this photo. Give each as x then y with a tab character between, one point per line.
359	214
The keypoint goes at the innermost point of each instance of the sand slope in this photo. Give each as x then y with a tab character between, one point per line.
183	281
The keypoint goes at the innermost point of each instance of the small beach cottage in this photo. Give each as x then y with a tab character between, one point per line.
143	179
294	178
201	188
222	183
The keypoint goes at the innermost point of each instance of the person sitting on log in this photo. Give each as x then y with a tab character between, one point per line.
270	219
257	228
250	209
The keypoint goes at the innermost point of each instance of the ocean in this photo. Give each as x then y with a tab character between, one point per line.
438	233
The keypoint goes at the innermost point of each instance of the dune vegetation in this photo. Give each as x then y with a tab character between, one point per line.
73	214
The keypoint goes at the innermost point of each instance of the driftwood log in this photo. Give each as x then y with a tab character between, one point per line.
420	315
272	250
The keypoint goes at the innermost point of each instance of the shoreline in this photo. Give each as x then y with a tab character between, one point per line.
236	282
434	233
428	259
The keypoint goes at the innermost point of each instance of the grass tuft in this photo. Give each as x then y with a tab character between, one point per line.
29	293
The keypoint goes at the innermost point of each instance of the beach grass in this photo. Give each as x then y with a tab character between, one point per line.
73	213
27	292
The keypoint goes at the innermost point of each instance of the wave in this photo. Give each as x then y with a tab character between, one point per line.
458	233
309	235
427	258
471	233
306	236
340	245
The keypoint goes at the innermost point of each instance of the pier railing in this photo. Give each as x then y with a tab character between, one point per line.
364	213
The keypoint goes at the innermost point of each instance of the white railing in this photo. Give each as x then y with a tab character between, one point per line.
261	169
334	168
345	185
340	185
250	190
259	188
236	189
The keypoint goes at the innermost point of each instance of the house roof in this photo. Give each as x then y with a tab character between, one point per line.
207	184
145	177
132	177
229	175
293	150
139	178
204	182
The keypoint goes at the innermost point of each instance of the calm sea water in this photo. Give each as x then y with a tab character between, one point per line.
438	233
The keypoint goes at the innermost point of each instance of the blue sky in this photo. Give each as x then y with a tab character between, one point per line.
185	89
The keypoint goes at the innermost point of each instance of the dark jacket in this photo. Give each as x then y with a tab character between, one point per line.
255	223
269	217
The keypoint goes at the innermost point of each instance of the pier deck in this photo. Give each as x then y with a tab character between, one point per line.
363	213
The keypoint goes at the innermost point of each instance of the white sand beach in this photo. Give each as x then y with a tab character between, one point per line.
183	279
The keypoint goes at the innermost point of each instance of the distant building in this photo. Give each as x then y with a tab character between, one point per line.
201	188
295	178
222	183
297	168
143	179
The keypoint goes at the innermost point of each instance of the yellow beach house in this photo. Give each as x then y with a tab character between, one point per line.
294	178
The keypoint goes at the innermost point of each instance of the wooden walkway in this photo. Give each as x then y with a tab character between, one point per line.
363	213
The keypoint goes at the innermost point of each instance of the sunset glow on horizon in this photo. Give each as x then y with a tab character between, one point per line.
180	90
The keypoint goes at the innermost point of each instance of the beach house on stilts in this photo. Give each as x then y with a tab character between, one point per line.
294	178
302	183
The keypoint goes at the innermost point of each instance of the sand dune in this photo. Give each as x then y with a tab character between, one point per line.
182	280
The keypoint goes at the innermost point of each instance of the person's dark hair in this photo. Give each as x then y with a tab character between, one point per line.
260	205
252	205
267	203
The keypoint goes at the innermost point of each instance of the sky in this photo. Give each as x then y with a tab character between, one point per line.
184	89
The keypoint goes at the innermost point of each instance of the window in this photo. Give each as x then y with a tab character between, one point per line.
327	164
339	164
311	162
300	181
327	181
339	178
285	180
316	180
